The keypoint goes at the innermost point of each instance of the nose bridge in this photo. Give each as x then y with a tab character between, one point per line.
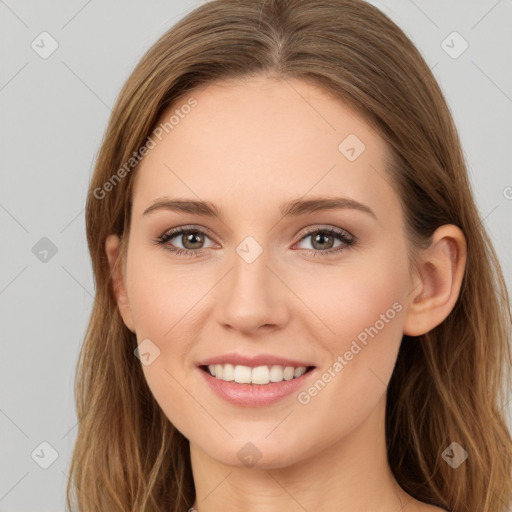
252	295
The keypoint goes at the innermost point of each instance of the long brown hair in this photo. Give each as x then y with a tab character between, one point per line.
448	385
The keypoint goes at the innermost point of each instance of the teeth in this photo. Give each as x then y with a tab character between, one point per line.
299	371
228	372
243	374
258	375
288	373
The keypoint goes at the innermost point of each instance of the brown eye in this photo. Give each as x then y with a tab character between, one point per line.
322	241
191	240
328	241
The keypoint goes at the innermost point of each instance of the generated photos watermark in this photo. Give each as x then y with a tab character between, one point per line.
158	133
358	343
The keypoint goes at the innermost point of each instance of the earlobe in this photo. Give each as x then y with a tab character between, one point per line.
112	248
438	281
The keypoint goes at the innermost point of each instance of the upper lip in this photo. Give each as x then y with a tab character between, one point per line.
253	361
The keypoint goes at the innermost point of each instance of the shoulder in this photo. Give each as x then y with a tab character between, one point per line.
414	505
424	507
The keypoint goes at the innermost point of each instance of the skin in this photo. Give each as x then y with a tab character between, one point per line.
248	146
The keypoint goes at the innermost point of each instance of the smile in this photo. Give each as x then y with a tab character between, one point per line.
260	375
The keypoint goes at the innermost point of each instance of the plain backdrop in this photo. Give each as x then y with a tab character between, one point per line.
54	110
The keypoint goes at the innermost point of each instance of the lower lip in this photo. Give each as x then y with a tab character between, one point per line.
254	395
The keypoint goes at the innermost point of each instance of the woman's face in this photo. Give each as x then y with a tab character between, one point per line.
268	281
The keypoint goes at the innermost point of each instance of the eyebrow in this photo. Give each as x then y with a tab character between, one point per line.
291	208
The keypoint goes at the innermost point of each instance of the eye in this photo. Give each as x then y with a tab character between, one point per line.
323	241
192	240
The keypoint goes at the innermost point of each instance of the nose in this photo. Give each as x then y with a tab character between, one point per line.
253	297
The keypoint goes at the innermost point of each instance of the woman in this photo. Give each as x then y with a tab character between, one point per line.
297	306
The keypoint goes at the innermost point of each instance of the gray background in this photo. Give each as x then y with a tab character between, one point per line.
54	112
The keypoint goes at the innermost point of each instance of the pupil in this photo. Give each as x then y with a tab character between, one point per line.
320	237
190	239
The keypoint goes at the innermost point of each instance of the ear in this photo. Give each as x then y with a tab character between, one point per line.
112	248
437	281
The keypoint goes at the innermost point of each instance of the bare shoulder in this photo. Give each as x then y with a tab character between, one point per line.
414	505
424	507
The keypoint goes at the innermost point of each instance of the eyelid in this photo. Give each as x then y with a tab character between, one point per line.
301	235
328	228
187	227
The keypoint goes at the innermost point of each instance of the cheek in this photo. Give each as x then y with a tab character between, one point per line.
160	296
370	301
363	307
356	296
161	303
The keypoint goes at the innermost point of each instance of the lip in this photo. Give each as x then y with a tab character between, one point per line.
255	395
254	361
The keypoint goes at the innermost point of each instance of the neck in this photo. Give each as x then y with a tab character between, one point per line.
352	474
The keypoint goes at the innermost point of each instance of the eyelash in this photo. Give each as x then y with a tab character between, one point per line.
343	236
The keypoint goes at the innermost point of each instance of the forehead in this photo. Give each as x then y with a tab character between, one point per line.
262	139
